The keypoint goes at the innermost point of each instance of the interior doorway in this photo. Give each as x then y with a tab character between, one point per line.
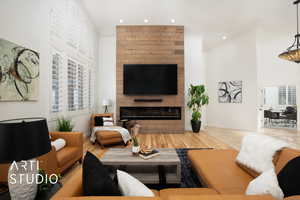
279	107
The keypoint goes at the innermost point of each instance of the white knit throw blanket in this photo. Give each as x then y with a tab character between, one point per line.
124	132
257	152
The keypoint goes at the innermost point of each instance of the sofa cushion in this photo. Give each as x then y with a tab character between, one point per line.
65	155
96	180
130	186
266	183
257	152
169	193
285	156
289	178
98	120
218	169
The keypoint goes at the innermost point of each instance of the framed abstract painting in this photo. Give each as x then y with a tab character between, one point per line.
19	72
230	92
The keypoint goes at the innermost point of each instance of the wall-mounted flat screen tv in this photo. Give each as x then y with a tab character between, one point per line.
150	79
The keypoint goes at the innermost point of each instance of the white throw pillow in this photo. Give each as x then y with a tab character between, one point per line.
58	144
257	152
266	183
108	121
130	186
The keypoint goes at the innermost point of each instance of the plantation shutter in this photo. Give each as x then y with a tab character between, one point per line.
80	87
291	95
282	95
72	86
85	87
91	88
56	100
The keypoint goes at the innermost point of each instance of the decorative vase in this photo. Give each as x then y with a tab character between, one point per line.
22	180
196	125
135	150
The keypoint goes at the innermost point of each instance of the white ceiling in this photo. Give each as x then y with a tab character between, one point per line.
211	18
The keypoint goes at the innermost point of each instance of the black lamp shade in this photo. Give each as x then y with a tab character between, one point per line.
23	140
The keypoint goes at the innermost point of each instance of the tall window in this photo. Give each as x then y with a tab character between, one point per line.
282	95
56	101
292	95
72	86
287	95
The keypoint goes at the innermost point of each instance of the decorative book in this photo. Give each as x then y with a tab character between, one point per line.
149	154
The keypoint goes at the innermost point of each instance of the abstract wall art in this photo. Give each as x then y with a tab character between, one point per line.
19	72
230	92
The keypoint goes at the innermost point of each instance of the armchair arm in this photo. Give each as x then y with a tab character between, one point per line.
48	162
74	139
296	197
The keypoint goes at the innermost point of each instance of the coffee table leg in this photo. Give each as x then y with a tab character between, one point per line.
162	175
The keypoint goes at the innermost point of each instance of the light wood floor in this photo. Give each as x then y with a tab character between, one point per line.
211	137
186	140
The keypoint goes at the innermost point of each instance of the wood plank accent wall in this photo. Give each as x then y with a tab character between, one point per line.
152	45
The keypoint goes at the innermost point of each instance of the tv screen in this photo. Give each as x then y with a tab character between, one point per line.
150	79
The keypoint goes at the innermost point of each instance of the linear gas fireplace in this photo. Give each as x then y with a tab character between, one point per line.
150	113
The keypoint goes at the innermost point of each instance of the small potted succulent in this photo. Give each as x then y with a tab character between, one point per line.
135	145
134	130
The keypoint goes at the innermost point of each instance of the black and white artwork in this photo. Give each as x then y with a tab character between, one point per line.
19	72
230	92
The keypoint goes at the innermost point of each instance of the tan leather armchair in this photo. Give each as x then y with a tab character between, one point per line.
56	161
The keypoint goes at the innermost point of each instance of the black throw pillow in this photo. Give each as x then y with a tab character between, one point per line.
96	178
289	178
98	121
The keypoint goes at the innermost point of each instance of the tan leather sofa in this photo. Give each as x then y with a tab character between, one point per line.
72	190
56	161
106	137
218	170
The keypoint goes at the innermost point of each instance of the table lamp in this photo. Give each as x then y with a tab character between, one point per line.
21	142
106	103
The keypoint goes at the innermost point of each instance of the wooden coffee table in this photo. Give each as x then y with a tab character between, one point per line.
162	169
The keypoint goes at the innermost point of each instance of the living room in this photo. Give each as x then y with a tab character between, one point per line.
184	82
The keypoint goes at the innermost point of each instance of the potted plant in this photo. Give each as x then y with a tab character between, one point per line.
47	185
134	130
135	145
64	125
197	99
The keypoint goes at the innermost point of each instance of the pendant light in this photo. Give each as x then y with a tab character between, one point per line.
293	52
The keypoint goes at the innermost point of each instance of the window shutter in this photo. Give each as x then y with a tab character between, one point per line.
91	89
72	86
80	87
56	101
291	95
282	95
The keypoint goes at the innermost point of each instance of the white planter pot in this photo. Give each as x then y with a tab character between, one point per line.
135	149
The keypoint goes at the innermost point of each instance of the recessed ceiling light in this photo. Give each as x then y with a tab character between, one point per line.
173	21
146	21
121	21
224	37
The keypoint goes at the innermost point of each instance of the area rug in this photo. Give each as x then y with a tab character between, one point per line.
189	178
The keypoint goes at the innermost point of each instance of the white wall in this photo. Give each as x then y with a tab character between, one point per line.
235	59
194	68
271	70
106	72
27	23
